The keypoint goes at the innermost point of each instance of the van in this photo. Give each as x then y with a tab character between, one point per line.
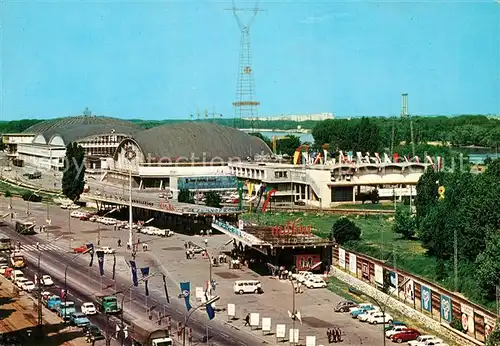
247	286
16	275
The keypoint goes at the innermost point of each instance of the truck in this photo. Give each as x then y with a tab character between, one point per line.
107	304
145	333
25	226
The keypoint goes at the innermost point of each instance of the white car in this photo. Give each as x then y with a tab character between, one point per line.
28	286
395	330
2	269
315	282
21	281
367	314
88	308
296	276
421	340
46	280
73	206
108	250
380	318
434	342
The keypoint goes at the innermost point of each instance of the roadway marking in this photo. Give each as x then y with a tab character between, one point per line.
45	247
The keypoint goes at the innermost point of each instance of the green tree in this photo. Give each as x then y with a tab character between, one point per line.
488	266
404	223
287	145
212	199
73	180
344	230
185	196
264	138
8	194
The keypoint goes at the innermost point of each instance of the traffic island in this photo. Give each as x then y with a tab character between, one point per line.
18	321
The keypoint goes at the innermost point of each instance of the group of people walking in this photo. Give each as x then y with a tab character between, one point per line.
334	335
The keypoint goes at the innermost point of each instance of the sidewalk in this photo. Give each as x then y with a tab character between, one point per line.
18	317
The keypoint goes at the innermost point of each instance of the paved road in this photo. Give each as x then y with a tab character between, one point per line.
82	287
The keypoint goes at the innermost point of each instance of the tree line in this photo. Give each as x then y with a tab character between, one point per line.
465	204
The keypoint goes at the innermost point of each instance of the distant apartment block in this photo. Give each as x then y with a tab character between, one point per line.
300	117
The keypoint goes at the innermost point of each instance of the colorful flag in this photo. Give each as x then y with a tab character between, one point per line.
114	267
133	267
210	309
100	259
91	252
145	272
186	292
166	289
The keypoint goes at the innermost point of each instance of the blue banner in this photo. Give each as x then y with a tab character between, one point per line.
114	266
446	312
145	272
426	298
210	309
100	259
186	292
91	252
133	267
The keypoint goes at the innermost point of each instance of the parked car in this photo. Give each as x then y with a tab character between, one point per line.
344	306
108	250
295	276
361	309
395	330
3	268
395	323
88	308
434	342
315	282
28	286
21	281
46	280
78	319
421	340
366	315
380	318
405	335
80	249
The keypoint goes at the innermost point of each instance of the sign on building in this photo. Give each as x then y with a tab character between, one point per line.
352	263
446	312
342	258
426	298
379	275
307	261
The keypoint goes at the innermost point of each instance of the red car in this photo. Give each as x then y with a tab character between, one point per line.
80	249
406	335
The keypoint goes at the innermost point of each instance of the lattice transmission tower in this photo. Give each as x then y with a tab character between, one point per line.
245	105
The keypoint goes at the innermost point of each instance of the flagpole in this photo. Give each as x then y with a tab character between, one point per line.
130	237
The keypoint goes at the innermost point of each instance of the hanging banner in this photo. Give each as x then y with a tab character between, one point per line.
186	292
306	262
409	290
342	258
467	318
394	283
379	275
352	263
426	298
133	268
446	313
489	326
145	273
100	259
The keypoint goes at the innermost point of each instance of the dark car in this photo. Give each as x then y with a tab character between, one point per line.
92	333
394	323
344	306
406	335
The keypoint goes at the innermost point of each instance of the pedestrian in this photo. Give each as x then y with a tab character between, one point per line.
185	245
206	242
247	320
339	335
333	335
37	245
329	335
190	336
119	242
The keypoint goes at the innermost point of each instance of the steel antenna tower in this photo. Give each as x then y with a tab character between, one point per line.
245	106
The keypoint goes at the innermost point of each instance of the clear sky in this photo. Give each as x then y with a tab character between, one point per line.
168	59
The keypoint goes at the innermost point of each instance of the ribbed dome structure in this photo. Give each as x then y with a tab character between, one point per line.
204	140
54	124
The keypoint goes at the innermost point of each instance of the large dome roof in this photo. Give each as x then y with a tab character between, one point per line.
204	140
54	124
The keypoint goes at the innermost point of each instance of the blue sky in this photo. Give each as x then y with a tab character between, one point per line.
166	59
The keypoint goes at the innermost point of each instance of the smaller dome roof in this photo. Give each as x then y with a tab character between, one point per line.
75	132
55	124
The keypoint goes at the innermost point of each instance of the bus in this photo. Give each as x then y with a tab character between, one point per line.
25	226
17	260
5	243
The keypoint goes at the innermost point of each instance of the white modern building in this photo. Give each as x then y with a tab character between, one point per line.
296	117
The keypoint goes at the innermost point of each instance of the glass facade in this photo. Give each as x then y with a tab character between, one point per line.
208	182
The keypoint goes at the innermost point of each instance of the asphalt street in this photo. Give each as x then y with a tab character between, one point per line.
82	287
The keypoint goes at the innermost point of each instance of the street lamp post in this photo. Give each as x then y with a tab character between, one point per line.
66	276
188	316
382	309
29	198
122	324
293	315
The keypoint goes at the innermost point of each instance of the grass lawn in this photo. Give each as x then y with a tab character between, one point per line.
367	205
377	238
18	190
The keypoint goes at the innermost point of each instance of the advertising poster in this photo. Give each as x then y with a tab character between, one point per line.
365	270
394	283
467	318
352	263
254	319
446	312
426	298
280	330
409	290
293	335
266	324
342	258
231	310
310	340
306	262
379	275
489	326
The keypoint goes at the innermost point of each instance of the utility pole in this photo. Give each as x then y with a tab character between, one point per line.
455	257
